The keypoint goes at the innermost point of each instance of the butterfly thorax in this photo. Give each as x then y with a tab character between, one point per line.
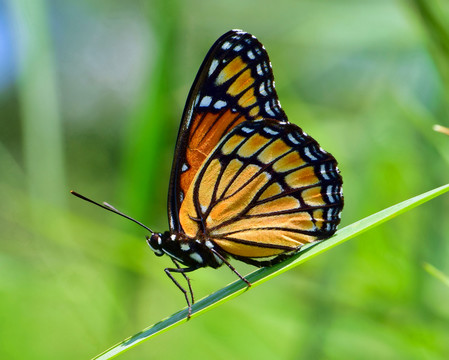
190	252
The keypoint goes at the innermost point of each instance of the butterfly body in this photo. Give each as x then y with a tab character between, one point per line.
193	253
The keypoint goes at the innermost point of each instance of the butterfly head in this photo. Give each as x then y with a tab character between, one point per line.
155	242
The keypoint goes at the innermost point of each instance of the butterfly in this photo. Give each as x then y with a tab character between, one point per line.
245	182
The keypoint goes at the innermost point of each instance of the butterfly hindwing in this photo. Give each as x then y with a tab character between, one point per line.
266	189
234	84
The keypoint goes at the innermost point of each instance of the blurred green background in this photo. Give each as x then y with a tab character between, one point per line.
91	94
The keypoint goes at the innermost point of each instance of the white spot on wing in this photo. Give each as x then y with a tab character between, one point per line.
238	48
309	154
266	67
270	131
262	90
205	101
213	66
293	139
323	172
184	167
226	45
220	104
247	130
259	69
329	194
251	55
268	109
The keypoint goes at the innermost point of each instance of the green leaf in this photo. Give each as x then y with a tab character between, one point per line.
261	275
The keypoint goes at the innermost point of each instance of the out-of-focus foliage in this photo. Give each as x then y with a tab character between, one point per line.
91	94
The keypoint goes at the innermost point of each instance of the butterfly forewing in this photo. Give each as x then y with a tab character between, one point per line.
264	191
234	84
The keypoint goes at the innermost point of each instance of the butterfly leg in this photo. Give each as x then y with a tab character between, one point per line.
187	279
181	270
231	267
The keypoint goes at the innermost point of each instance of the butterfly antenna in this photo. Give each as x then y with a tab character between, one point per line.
110	208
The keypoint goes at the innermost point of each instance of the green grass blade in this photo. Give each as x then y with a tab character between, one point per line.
261	275
432	270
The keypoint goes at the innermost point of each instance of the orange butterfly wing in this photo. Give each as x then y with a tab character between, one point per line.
234	84
264	191
243	177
